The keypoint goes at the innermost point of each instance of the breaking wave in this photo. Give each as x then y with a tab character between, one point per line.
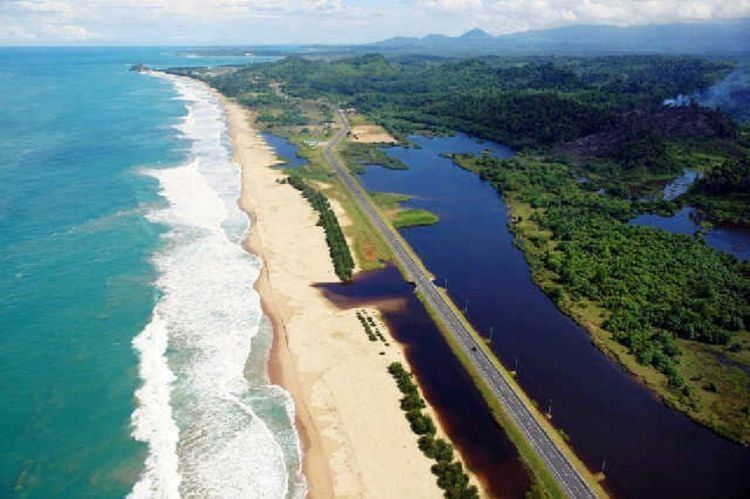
213	424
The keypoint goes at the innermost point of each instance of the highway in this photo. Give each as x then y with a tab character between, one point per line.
567	476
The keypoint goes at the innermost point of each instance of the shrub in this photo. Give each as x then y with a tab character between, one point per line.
426	444
343	263
421	424
443	450
451	476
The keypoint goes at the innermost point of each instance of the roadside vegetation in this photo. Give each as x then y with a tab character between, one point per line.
543	484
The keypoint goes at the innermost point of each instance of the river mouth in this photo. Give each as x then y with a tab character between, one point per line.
446	386
649	450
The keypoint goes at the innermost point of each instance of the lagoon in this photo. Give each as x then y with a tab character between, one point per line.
650	450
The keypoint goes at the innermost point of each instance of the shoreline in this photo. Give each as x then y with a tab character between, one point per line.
313	462
354	442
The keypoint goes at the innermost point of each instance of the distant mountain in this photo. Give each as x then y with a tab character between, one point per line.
476	35
679	38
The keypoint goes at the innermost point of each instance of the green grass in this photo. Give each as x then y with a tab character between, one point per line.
542	479
694	155
388	200
358	155
390	205
413	218
370	251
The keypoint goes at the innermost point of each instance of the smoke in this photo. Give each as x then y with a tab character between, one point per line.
681	100
731	95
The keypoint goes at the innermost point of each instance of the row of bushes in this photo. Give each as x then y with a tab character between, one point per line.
450	473
371	329
343	263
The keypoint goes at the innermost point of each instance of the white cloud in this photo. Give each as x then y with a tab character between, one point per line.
512	15
299	21
26	21
455	6
62	8
323	5
70	31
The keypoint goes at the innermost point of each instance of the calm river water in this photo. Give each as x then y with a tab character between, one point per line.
447	387
650	450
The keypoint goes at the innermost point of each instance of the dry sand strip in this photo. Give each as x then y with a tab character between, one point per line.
371	134
357	442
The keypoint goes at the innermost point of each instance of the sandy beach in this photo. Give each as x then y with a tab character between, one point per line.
356	440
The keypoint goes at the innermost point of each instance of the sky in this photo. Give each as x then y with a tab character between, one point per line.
252	22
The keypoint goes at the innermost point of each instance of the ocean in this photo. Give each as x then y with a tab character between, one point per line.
132	344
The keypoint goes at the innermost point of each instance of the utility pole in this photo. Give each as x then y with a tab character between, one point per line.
549	410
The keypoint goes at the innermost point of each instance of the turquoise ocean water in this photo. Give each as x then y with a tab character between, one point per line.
132	345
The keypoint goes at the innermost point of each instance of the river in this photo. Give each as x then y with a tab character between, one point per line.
285	150
446	385
649	450
732	240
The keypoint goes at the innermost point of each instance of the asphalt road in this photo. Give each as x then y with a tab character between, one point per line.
570	481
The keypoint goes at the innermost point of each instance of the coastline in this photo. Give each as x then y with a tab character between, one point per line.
356	442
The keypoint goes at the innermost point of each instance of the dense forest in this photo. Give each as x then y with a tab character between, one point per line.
732	177
524	102
724	192
651	287
605	113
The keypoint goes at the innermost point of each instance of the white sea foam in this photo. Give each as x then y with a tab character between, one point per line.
152	419
210	430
